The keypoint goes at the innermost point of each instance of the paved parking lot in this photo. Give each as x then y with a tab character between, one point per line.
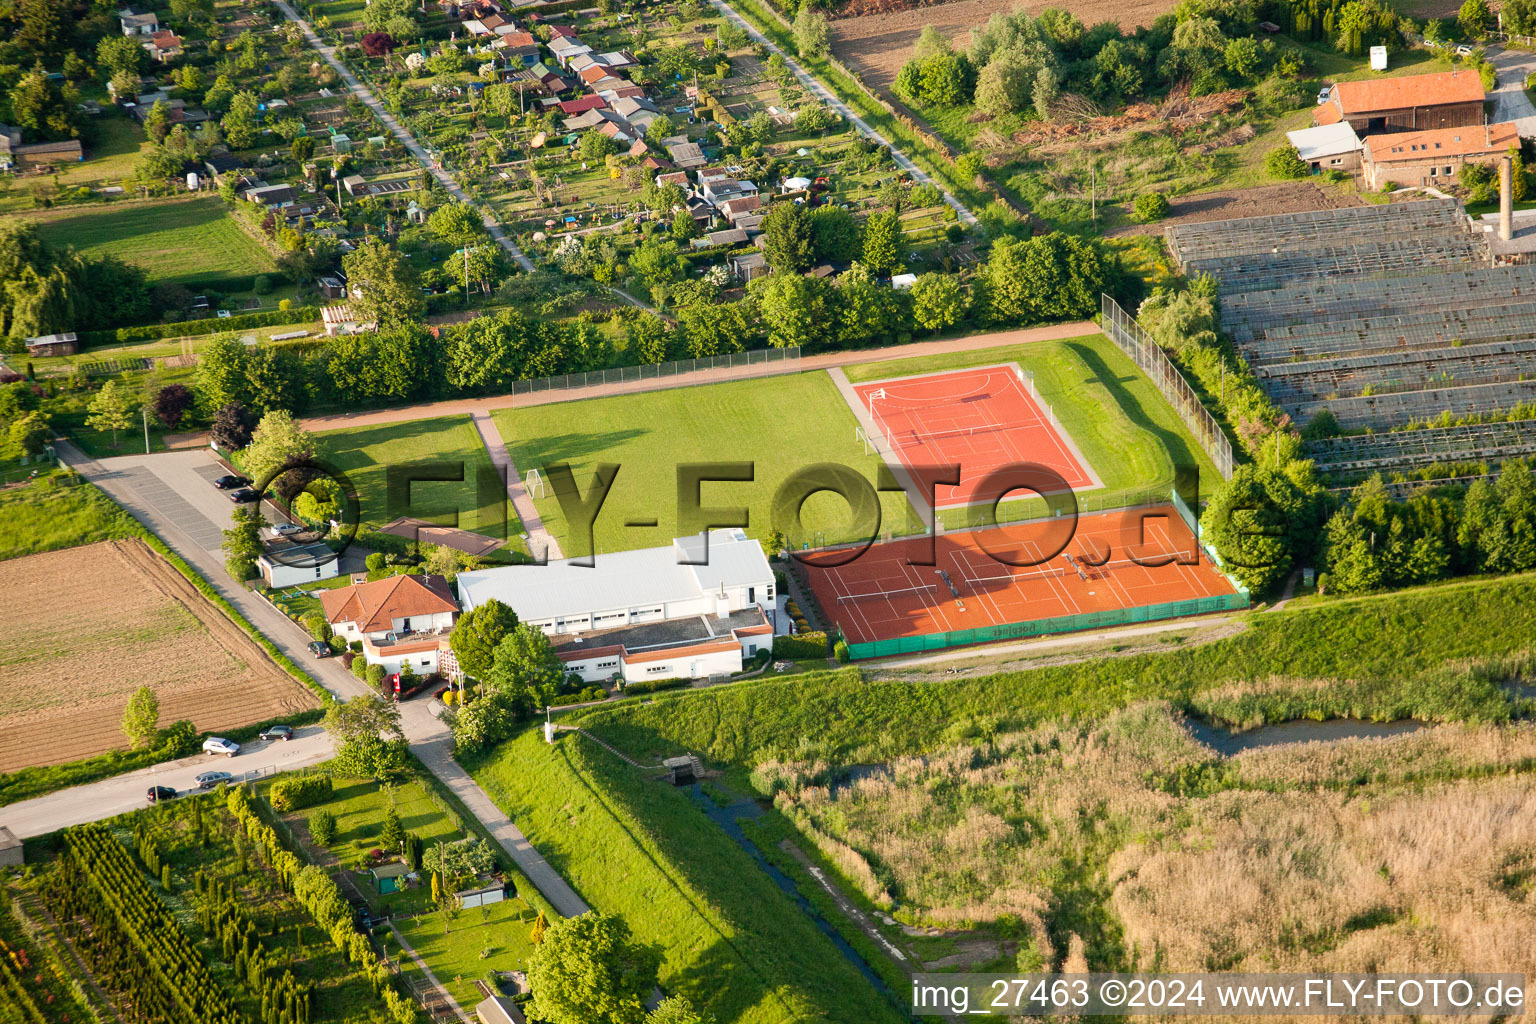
177	488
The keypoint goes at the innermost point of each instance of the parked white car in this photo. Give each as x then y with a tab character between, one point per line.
286	529
220	745
1323	94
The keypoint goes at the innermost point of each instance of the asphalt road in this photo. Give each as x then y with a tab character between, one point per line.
1510	102
122	793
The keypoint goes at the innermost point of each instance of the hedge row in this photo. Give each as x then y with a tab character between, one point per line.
801	646
198	328
655	685
294	792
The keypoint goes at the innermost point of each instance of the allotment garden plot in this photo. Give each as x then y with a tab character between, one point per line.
86	627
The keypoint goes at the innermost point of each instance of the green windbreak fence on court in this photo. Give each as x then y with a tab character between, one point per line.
1060	624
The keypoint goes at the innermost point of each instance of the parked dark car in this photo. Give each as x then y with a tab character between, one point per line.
243	495
319	648
278	732
230	481
208	780
158	793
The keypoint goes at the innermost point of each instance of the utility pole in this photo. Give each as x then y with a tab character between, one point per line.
144	410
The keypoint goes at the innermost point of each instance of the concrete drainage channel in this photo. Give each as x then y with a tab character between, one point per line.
726	817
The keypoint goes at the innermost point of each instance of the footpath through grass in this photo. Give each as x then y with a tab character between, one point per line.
1130	436
732	942
466	494
779	425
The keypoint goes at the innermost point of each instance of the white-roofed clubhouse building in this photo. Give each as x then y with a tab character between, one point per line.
656	613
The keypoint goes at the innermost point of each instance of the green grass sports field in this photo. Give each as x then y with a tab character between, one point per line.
446	443
1130	436
779	424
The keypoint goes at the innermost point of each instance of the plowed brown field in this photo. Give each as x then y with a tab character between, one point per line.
86	627
877	44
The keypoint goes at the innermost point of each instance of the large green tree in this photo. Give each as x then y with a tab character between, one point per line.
588	970
883	243
526	664
111	409
787	240
390	288
794	309
277	442
939	301
478	633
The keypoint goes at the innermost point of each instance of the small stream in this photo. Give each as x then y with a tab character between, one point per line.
726	818
1227	743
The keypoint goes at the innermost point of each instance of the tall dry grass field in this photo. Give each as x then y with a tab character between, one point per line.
1416	852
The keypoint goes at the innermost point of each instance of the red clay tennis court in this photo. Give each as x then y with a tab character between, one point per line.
979	419
1115	568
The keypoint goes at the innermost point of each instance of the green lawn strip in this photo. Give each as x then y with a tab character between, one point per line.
461	946
731	941
445	446
188	241
779	424
1387	655
1130	436
94	522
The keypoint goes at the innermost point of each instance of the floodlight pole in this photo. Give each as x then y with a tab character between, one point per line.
144	409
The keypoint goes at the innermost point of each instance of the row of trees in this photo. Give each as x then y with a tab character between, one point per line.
1051	277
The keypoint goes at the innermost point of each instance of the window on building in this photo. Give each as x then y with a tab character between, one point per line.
654	669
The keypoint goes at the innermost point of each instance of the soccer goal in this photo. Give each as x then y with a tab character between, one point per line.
534	484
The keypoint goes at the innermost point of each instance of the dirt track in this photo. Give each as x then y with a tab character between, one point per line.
877	45
87	626
1292	197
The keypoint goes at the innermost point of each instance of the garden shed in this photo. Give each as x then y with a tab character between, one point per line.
388	878
481	897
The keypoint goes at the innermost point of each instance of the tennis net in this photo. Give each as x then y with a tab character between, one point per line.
886	594
914	438
1071	569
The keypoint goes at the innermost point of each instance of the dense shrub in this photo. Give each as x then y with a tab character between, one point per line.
811	644
293	792
322	827
1150	206
588	694
656	685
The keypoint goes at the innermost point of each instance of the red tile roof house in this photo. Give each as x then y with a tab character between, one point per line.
1446	99
401	619
1433	157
